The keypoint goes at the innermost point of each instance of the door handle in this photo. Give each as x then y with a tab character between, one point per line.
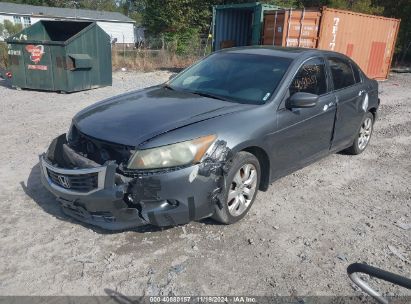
328	105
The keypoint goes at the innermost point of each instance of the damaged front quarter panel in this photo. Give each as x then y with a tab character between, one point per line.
124	198
167	198
215	163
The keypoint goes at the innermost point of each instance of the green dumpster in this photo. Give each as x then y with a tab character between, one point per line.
64	56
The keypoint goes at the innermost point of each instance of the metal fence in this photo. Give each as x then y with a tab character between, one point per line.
160	53
195	47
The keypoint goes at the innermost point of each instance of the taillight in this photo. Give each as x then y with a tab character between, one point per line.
8	74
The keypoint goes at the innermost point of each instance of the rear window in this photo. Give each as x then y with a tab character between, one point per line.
341	72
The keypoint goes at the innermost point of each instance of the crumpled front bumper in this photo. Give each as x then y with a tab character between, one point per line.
117	202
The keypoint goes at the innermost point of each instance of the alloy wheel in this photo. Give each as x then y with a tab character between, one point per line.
242	189
365	133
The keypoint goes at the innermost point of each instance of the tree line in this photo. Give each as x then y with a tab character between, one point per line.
182	19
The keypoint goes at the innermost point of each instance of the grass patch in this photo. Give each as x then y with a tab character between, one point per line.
150	60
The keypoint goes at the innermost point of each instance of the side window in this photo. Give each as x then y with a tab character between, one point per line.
357	75
310	78
341	72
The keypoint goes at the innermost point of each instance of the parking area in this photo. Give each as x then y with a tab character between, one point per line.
298	238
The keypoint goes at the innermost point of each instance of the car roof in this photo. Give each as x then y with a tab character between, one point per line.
286	52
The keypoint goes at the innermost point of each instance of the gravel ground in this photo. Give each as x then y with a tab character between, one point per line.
298	238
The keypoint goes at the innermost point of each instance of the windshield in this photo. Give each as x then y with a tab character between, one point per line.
243	78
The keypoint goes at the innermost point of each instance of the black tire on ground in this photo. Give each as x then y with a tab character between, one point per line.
355	148
241	159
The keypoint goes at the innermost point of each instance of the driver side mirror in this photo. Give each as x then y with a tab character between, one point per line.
302	100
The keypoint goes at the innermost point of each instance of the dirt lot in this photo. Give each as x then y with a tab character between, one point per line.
298	238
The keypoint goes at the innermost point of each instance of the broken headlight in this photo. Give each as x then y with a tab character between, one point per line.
179	154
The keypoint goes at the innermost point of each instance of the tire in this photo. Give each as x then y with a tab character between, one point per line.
364	135
240	189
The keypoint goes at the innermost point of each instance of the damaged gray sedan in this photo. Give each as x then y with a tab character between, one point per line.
204	143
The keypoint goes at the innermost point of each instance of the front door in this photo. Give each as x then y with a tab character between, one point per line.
305	134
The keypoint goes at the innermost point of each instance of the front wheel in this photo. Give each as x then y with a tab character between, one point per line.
363	136
241	186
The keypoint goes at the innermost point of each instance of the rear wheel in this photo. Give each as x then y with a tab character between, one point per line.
241	186
364	135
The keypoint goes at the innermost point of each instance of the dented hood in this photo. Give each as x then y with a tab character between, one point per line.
135	117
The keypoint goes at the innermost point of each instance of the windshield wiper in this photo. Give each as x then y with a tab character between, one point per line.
167	86
204	94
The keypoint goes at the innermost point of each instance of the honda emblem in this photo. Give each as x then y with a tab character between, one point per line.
64	181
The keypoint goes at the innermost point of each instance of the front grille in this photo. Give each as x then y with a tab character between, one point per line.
75	182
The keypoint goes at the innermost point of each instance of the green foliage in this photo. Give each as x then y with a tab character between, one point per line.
400	9
179	22
182	42
136	16
175	15
102	5
360	6
8	28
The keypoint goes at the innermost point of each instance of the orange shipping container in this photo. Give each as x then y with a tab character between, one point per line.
369	40
292	28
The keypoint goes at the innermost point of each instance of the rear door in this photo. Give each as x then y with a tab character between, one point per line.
305	134
350	93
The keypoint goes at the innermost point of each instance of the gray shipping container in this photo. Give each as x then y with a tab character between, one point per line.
238	24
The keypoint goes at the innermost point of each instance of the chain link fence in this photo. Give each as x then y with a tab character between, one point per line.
160	53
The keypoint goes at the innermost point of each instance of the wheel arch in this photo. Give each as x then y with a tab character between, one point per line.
374	107
373	111
264	161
